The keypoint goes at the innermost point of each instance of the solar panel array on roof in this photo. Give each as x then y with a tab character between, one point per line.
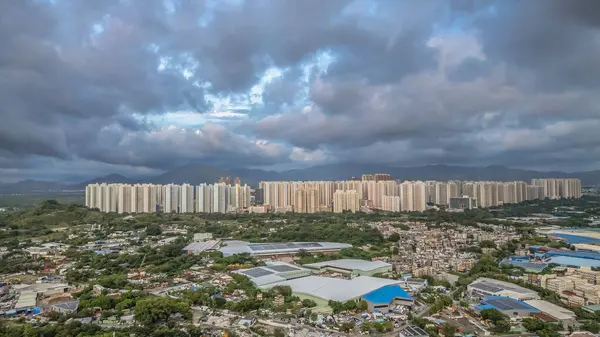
275	246
282	268
487	287
413	331
256	272
506	304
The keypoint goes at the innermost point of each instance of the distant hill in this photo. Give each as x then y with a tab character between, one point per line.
109	179
31	186
192	174
199	173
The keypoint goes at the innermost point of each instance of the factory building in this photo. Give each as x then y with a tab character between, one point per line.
351	266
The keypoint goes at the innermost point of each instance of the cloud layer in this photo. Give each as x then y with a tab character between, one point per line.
140	86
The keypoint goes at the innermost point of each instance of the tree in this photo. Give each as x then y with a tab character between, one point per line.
591	327
395	237
350	305
283	290
501	326
493	315
309	303
487	244
279	332
115	281
336	306
347	327
449	330
533	324
362	305
220	302
151	310
153	230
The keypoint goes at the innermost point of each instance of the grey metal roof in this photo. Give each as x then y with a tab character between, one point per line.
502	288
552	309
199	247
238	247
69	305
413	331
273	271
350	264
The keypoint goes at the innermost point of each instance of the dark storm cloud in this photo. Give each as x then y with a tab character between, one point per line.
407	82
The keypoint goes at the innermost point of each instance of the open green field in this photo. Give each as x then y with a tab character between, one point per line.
32	199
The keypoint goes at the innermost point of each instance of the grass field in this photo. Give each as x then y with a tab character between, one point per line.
28	200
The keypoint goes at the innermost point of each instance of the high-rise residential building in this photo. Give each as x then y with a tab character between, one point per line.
419	196
172	198
316	196
259	196
430	190
413	196
535	192
346	201
187	198
376	177
391	203
442	193
123	198
306	200
559	188
204	198
237	181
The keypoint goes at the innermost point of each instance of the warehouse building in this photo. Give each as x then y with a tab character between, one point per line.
195	248
553	313
323	289
506	305
483	287
273	272
280	250
413	331
386	297
351	266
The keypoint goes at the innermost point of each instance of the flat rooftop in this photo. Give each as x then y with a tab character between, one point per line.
505	303
413	331
199	247
501	288
335	289
239	247
350	264
273	272
552	309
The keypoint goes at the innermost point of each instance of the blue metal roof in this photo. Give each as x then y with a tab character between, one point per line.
570	253
504	303
575	261
484	307
387	294
575	238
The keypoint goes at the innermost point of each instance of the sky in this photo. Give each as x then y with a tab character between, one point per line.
137	87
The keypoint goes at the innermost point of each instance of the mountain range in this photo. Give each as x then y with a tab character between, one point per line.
198	173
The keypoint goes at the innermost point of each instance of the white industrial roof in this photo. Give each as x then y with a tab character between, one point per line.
552	309
26	300
329	288
199	247
502	288
274	271
238	247
350	264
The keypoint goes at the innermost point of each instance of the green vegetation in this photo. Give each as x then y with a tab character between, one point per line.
540	328
498	319
338	307
152	310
